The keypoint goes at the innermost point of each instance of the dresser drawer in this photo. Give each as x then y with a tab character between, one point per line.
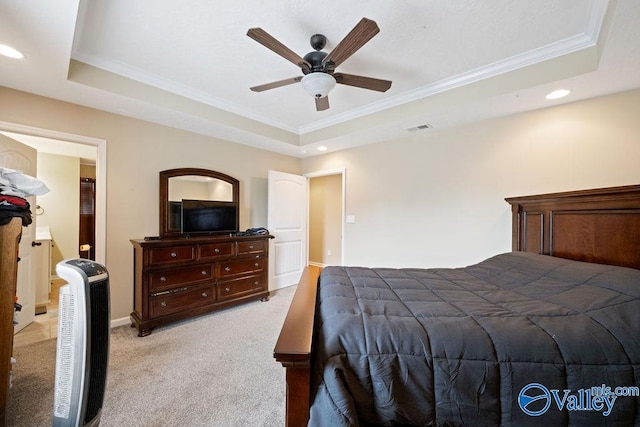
174	254
216	250
174	302
239	287
170	278
251	247
243	266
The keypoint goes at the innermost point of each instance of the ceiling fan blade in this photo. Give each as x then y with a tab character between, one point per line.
357	37
268	41
274	85
322	103
363	82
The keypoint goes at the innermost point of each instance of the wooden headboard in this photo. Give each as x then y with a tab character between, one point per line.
601	225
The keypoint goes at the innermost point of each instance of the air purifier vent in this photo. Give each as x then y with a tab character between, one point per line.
65	355
99	358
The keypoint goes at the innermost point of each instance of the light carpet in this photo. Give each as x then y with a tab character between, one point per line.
213	370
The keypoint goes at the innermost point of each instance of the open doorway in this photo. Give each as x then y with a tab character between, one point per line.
65	155
289	221
326	217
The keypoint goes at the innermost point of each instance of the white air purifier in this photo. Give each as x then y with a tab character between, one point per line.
82	355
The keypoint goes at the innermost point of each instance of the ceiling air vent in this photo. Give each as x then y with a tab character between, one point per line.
419	127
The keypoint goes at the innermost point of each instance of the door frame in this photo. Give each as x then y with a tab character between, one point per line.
101	173
338	171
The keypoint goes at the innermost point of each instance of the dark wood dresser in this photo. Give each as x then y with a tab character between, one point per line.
177	278
10	234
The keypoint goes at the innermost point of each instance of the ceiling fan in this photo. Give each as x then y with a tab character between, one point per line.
319	67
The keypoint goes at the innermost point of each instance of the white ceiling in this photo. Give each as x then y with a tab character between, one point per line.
190	64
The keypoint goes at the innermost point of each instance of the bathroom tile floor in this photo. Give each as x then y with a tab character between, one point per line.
45	325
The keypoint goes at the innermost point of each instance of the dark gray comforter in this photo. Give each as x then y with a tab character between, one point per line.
477	345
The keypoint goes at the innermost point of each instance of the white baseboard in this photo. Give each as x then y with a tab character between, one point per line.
120	322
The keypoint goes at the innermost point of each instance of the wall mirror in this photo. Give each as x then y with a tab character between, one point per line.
195	185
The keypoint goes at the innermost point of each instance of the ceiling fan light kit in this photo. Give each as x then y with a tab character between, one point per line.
318	67
318	84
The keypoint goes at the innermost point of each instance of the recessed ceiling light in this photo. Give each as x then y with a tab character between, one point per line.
322	148
10	52
560	93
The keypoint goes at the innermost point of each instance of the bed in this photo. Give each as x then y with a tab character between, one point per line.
546	334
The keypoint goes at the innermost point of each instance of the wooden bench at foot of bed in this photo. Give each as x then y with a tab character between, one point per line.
293	348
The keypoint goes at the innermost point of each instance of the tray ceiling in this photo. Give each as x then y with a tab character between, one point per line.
190	65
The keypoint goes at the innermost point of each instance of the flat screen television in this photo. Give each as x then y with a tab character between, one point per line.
208	217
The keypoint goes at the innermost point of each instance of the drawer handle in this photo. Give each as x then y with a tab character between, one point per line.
204	272
216	250
163	304
227	289
227	269
257	264
250	246
163	279
170	291
173	254
256	283
204	294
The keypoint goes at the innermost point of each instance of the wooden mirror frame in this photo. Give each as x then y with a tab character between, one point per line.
165	229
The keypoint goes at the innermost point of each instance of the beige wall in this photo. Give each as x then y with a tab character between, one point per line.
436	198
325	220
136	152
61	204
87	171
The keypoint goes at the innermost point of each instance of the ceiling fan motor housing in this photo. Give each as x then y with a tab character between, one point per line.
315	60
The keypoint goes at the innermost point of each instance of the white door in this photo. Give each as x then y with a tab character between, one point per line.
287	221
18	156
